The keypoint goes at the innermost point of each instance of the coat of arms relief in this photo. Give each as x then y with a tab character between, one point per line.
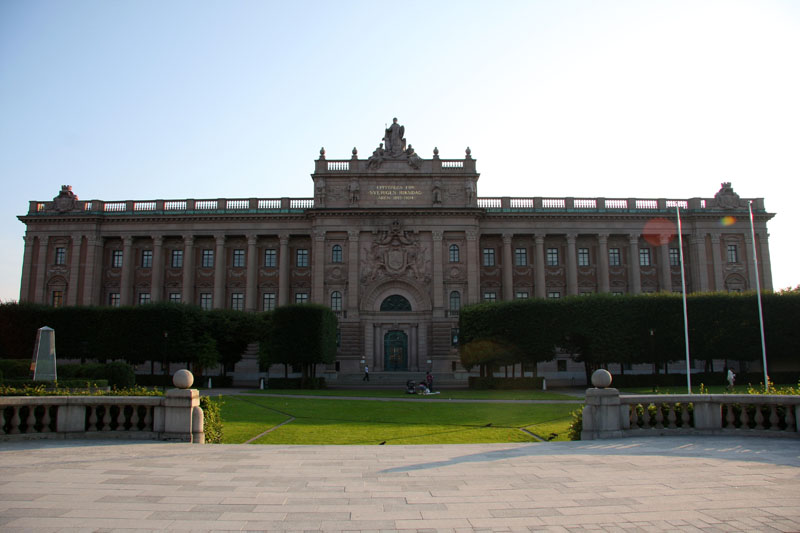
393	254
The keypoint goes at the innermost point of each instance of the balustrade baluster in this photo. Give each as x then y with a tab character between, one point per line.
135	419
2	420
634	416
789	418
659	417
30	422
15	421
671	416
148	418
646	416
106	418
773	418
46	420
745	418
92	417
730	418
685	416
759	418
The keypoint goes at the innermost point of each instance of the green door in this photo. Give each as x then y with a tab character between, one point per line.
395	351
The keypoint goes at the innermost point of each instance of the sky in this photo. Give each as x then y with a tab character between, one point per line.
201	99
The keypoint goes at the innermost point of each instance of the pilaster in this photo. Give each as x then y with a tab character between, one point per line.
283	269
126	281
635	281
219	272
602	263
188	269
508	275
539	278
572	264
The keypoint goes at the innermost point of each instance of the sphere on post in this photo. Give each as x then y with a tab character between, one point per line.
601	378
183	379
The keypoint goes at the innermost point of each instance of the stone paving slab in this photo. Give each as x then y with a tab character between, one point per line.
706	484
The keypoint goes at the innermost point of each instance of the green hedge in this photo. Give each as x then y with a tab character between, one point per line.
61	383
296	383
505	383
16	368
212	419
118	374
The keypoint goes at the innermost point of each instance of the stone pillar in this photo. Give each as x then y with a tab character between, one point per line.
251	296
748	261
664	267
572	264
157	271
438	279
766	267
27	268
352	274
508	274
539	278
39	288
473	260
283	270
126	281
700	263
220	276
179	407
318	268
602	263
602	414
716	262
188	269
74	270
413	349
93	272
635	281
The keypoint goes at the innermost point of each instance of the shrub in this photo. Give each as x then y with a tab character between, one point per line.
576	426
118	374
15	368
212	419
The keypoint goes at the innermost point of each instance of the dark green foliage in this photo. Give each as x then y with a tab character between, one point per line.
73	383
212	419
576	426
16	368
481	383
118	374
296	383
231	332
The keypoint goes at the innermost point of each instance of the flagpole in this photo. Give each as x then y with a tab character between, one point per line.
683	292
758	294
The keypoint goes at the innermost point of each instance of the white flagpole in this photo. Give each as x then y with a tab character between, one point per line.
758	294
685	313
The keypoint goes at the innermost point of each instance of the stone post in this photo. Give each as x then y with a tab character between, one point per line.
181	407
602	414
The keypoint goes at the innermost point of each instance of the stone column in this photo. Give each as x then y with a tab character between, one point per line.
157	271
413	349
251	297
126	281
716	260
93	273
188	269
438	279
74	271
700	263
39	288
508	274
27	267
473	260
572	264
539	278
602	263
664	267
635	281
766	267
352	274
283	269
318	268
748	261
220	276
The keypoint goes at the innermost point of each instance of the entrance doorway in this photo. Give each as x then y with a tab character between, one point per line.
395	351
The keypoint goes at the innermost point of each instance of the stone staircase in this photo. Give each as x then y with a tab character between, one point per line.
443	380
247	373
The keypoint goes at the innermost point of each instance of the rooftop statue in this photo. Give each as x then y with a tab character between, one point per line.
393	148
394	141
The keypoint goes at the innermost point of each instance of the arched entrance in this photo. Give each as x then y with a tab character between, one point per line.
395	351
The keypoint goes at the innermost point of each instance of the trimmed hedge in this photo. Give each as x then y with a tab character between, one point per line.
296	383
117	374
60	384
16	368
481	383
212	419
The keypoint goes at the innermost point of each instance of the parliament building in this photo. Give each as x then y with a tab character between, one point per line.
394	244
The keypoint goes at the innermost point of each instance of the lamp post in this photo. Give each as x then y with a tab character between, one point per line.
164	368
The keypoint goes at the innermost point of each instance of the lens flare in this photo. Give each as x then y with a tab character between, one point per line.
727	221
659	230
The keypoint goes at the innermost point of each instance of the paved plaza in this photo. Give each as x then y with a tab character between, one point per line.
649	484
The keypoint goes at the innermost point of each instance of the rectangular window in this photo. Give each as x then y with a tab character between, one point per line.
58	298
489	296
552	257
208	259
674	257
270	258
144	298
268	301
733	254
147	258
521	295
177	259
521	257
61	256
583	257
301	298
237	301
561	365
206	301
644	257
454	253
113	299
614	257
238	258
116	259
302	257
175	297
554	294
453	336
488	257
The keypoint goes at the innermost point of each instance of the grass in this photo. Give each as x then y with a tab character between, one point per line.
318	421
446	394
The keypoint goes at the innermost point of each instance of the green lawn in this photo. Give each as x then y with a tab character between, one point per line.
446	394
372	422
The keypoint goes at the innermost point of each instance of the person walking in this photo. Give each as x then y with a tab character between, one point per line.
366	373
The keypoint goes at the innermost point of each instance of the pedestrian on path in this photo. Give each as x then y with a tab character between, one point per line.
366	373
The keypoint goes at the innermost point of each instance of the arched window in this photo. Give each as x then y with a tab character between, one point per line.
454	255
455	301
395	302
336	301
336	254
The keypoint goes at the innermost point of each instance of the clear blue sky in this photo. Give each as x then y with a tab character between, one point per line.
206	99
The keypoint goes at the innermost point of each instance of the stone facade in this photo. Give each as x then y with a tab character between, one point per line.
395	244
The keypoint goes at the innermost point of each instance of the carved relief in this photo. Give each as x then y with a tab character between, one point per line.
726	198
335	273
394	254
457	273
66	200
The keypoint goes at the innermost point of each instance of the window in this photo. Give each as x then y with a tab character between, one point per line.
521	295
552	257
268	301
301	298
270	258
454	254
116	259
144	298
336	254
554	294
302	257
453	336
175	297
238	258
237	301
644	257
147	258
208	259
561	365
733	254
177	259
488	257
521	257
614	257
336	301
206	301
583	257
113	299
61	256
395	302
674	257
58	298
455	301
489	296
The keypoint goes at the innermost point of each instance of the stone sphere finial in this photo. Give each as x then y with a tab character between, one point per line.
183	379
469	152
322	152
355	152
601	378
435	150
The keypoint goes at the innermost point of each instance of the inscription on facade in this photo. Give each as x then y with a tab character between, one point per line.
394	192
